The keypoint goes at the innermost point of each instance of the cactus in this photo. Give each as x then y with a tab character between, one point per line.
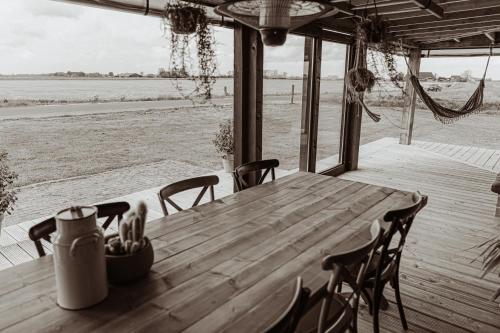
130	238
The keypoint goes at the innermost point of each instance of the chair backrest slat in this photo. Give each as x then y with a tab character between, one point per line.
205	183
288	321
400	221
44	229
348	267
241	172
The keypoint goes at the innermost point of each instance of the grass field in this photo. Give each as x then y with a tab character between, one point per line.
56	148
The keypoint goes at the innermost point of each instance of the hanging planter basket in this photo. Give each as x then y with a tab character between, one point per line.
183	19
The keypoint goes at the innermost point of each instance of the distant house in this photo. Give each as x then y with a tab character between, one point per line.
458	78
426	76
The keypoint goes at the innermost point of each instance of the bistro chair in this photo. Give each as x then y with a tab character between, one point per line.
44	229
205	183
333	311
288	321
385	265
243	170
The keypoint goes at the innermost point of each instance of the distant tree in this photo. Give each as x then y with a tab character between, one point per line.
111	74
466	75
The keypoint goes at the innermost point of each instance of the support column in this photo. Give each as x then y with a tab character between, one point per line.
353	117
310	104
410	99
248	85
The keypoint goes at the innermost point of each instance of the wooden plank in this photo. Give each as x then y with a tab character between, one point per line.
15	254
408	114
353	117
16	232
248	85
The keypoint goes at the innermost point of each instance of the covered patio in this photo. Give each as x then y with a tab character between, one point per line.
201	279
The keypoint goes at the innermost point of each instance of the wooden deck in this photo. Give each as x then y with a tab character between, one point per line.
488	159
441	287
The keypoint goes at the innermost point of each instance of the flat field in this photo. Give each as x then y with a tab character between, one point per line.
62	147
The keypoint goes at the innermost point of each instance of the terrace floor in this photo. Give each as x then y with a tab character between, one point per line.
441	286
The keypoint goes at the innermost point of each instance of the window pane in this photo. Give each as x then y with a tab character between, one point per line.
283	70
330	105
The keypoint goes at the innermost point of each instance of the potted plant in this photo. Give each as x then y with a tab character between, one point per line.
224	145
129	254
7	192
181	20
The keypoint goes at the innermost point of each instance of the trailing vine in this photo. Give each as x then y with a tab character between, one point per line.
187	24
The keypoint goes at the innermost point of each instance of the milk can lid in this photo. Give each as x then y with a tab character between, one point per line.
76	213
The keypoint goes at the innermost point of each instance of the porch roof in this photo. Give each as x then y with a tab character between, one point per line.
428	25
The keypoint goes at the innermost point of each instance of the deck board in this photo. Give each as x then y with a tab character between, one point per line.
441	287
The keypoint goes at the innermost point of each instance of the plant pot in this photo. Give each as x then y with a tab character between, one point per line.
183	20
228	163
123	269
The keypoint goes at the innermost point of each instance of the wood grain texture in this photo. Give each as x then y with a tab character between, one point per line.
217	265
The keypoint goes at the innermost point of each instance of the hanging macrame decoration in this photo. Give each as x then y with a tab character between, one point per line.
359	79
447	115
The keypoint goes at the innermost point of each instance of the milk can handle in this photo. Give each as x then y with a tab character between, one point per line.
95	236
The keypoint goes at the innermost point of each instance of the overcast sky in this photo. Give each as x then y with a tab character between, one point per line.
42	36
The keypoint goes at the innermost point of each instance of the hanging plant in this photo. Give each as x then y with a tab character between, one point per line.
360	79
185	22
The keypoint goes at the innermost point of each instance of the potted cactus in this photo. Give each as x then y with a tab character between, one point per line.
7	193
224	145
129	254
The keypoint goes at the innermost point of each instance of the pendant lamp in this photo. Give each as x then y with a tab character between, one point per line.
274	18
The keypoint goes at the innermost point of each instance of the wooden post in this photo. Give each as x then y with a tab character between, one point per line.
248	85
353	117
310	104
293	93
410	100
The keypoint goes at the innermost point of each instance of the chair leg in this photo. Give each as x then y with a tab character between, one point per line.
497	212
401	310
376	308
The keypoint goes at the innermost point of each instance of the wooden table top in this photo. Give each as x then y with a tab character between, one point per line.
225	266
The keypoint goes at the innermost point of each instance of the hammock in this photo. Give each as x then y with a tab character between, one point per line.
446	115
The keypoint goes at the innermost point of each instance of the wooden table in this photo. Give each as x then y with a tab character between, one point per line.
225	266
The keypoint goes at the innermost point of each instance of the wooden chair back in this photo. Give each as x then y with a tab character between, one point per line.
44	229
288	321
205	183
400	221
386	264
348	267
256	167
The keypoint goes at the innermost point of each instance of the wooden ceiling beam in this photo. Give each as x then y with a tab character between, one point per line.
431	7
450	36
450	29
452	19
492	36
471	42
401	17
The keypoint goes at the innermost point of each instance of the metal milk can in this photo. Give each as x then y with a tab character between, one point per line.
79	261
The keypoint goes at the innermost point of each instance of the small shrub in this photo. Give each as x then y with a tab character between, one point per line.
7	193
224	141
